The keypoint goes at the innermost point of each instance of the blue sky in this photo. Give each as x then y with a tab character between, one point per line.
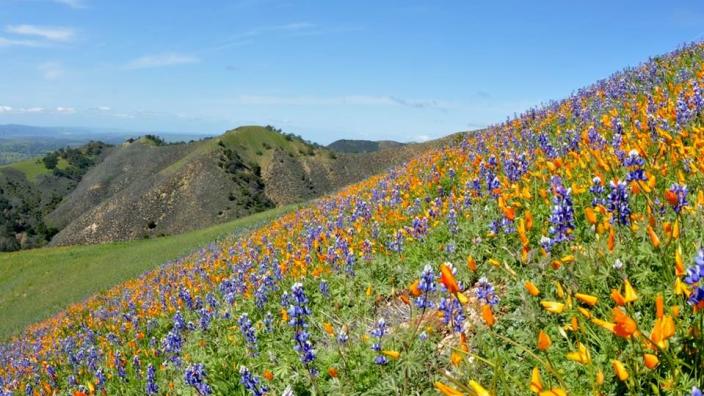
404	70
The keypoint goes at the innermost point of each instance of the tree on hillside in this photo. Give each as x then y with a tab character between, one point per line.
51	160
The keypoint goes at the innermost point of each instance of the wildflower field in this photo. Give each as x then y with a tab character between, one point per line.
556	253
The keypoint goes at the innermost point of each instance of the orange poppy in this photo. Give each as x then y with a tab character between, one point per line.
620	370
587	299
663	329
536	385
625	326
650	360
543	341
447	390
448	279
531	288
488	315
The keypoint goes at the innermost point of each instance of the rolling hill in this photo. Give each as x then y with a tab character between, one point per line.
145	188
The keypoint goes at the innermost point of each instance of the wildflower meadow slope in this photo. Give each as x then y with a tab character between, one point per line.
556	253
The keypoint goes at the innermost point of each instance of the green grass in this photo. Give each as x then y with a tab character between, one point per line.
35	284
34	167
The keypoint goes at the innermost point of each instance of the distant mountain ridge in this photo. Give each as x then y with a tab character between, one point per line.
20	142
107	135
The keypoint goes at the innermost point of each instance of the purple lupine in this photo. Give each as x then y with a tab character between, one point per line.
515	167
420	227
51	372
546	146
297	312
378	332
248	333
426	285
597	190
179	322
120	366
151	388
212	301
452	221
396	244
452	313
172	344
682	111
562	217
324	288
697	98
495	227
205	318
195	377
477	187
137	365
617	203
269	322
493	185
100	377
596	141
342	336
251	382
695	274
635	164
485	292
185	296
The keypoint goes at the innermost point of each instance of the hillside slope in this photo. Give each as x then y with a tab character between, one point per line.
31	189
145	190
556	253
362	146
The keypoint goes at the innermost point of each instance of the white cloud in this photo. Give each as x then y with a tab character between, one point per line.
6	42
247	37
161	60
51	70
104	108
33	110
21	110
51	33
65	110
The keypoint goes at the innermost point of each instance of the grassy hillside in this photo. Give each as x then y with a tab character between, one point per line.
40	282
361	146
34	167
